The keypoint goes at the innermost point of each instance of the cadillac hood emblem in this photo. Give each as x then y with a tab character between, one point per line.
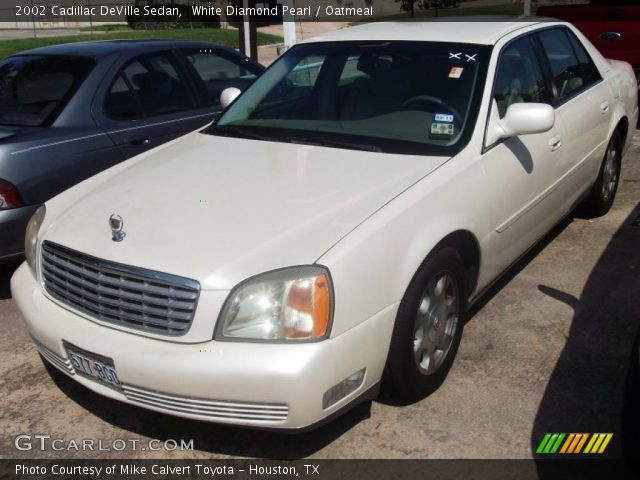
117	224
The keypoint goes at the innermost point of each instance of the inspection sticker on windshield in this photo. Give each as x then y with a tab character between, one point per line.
442	129
456	72
442	118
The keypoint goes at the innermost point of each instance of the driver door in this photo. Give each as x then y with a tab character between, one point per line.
518	169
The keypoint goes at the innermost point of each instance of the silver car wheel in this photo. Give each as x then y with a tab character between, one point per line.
436	323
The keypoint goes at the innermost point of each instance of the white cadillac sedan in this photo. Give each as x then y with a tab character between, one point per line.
327	233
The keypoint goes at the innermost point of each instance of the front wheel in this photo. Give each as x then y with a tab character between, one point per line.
428	328
604	190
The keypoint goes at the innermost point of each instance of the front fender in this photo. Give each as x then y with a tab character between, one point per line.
372	266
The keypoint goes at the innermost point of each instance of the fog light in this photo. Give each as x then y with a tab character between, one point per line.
342	389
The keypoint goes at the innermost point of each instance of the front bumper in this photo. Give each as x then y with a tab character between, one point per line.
13	224
251	384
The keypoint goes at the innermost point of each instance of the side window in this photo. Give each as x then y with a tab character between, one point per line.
148	85
570	72
587	69
218	71
121	103
519	77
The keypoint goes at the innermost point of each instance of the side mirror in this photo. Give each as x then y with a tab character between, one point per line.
228	95
520	119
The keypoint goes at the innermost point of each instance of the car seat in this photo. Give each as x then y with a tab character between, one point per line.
509	83
384	91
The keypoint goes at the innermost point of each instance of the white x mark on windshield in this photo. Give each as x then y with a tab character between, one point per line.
455	55
471	58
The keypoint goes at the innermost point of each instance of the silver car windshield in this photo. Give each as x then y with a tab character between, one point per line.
395	96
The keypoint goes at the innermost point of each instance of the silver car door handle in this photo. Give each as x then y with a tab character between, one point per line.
604	107
555	143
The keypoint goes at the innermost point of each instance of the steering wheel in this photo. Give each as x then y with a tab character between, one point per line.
284	87
434	101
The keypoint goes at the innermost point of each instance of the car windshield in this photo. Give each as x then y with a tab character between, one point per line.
392	97
34	88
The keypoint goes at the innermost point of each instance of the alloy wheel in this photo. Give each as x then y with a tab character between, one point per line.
436	322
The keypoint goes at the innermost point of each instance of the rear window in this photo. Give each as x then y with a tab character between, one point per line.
33	89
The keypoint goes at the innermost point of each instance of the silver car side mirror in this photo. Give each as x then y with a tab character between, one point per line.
228	95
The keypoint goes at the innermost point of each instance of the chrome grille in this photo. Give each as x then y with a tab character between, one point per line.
212	409
127	296
53	358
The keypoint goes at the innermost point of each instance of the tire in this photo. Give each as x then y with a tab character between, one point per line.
604	190
428	328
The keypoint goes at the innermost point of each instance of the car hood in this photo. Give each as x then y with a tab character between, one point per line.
219	210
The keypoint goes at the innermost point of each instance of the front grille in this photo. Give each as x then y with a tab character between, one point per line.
212	409
128	296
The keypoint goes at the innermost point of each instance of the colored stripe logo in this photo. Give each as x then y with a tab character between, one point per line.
574	443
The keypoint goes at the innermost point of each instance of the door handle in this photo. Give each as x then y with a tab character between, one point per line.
604	107
555	143
610	35
139	141
136	141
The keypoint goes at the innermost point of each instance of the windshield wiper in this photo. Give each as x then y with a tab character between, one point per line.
323	142
246	132
237	131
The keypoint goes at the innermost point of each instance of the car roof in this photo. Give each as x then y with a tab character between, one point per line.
485	30
96	49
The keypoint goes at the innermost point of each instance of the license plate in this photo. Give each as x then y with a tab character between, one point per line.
92	365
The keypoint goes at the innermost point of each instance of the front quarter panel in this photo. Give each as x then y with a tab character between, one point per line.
372	267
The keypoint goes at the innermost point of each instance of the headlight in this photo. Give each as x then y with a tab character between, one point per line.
31	237
286	305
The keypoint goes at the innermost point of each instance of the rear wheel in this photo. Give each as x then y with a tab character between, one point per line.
428	328
604	190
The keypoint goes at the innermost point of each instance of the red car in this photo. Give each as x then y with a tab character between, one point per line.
611	25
